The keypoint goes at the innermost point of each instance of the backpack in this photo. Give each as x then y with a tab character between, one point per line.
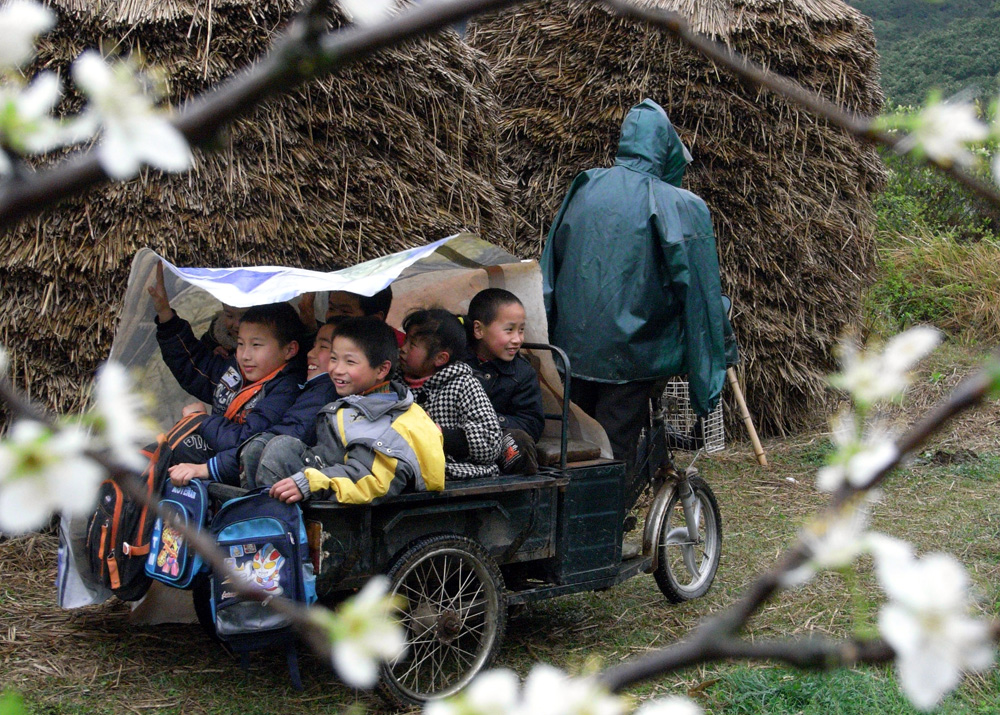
170	558
119	531
264	540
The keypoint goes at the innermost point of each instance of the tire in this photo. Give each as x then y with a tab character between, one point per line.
686	569
448	641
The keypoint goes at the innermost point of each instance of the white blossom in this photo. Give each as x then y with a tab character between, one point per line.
26	124
671	705
124	429
134	132
364	632
944	130
906	349
549	691
833	544
864	376
871	376
856	460
43	471
494	692
926	623
366	12
21	22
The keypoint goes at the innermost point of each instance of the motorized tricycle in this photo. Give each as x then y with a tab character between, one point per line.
462	556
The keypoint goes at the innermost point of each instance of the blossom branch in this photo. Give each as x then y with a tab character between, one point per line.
759	76
717	638
306	51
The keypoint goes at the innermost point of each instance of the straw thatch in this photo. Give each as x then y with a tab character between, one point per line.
397	151
789	195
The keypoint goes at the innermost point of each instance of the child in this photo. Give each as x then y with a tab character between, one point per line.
223	331
344	304
249	392
495	326
372	442
452	396
300	419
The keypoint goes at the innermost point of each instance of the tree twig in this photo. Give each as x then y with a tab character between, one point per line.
759	76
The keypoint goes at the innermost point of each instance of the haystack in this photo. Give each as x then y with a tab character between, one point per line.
790	196
392	153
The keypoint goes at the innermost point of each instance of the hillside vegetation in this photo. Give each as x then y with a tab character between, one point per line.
952	45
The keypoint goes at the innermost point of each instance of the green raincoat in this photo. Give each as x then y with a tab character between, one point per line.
630	273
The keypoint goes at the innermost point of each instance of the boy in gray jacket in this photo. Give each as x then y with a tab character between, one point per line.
372	442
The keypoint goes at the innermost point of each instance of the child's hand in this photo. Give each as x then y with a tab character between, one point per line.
286	490
221	351
181	474
195	408
307	310
158	292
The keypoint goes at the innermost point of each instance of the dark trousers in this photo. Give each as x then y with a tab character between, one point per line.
622	410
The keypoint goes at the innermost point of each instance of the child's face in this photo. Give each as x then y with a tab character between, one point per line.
503	337
318	359
259	353
231	319
350	370
415	359
340	302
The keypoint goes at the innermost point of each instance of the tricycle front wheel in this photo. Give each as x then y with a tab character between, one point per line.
455	615
689	551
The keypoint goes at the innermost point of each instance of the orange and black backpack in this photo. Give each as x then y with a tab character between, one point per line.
118	534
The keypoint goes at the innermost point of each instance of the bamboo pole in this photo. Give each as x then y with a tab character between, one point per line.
747	420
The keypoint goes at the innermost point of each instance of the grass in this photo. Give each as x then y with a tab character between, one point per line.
94	661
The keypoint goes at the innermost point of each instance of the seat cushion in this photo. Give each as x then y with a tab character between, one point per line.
576	451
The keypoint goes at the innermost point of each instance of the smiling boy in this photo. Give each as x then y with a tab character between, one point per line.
372	442
299	420
249	392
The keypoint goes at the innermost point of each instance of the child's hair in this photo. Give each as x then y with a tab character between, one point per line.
439	329
376	339
484	307
378	303
280	318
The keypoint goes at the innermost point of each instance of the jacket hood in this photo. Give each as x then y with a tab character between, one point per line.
649	143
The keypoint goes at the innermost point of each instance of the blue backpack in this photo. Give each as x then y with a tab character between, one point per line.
170	559
265	542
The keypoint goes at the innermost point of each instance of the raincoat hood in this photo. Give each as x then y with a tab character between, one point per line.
650	144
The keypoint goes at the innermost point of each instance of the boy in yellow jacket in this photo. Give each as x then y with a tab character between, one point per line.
372	442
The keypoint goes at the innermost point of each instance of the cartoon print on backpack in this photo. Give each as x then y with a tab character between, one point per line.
264	569
166	560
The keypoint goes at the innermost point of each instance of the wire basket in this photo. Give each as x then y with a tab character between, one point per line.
681	419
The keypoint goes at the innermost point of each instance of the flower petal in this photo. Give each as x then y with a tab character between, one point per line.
23	506
160	144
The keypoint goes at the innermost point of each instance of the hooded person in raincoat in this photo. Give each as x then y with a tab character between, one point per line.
631	282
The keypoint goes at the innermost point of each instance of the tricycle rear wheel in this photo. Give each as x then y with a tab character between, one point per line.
686	566
454	618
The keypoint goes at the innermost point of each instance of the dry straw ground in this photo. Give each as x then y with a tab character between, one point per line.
93	660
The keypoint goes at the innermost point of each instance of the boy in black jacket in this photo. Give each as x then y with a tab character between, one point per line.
249	392
300	419
495	325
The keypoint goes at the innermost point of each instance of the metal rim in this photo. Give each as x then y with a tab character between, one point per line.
684	556
450	619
